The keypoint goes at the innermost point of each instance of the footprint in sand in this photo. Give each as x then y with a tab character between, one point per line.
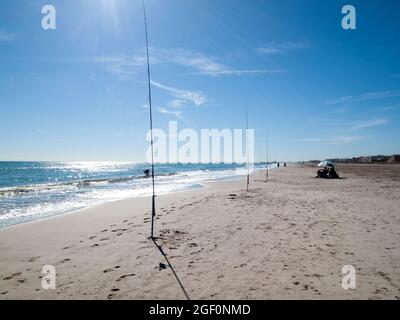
65	260
112	295
33	259
108	270
12	276
305	287
179	232
111	269
126	276
118	230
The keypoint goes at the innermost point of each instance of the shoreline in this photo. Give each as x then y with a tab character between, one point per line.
202	184
285	239
193	185
76	211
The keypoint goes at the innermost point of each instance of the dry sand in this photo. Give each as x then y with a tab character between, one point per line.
285	239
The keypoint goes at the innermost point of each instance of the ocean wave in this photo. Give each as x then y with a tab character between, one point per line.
38	188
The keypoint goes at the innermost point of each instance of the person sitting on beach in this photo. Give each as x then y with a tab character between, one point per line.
327	173
332	174
322	173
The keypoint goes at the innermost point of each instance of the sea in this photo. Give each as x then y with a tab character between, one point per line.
36	190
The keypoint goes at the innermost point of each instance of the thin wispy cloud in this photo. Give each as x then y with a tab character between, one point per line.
369	123
275	48
6	36
364	97
196	60
201	63
341	110
240	72
124	65
351	131
339	125
177	103
196	97
174	113
333	140
389	108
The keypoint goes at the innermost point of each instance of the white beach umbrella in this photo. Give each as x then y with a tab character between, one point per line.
325	163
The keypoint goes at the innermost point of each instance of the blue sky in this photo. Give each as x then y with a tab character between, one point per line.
79	92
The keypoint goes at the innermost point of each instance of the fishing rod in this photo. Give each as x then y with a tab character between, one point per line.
247	150
266	175
153	200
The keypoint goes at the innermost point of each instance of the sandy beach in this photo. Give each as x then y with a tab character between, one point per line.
285	239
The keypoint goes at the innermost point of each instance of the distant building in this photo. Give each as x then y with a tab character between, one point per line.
394	159
364	159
